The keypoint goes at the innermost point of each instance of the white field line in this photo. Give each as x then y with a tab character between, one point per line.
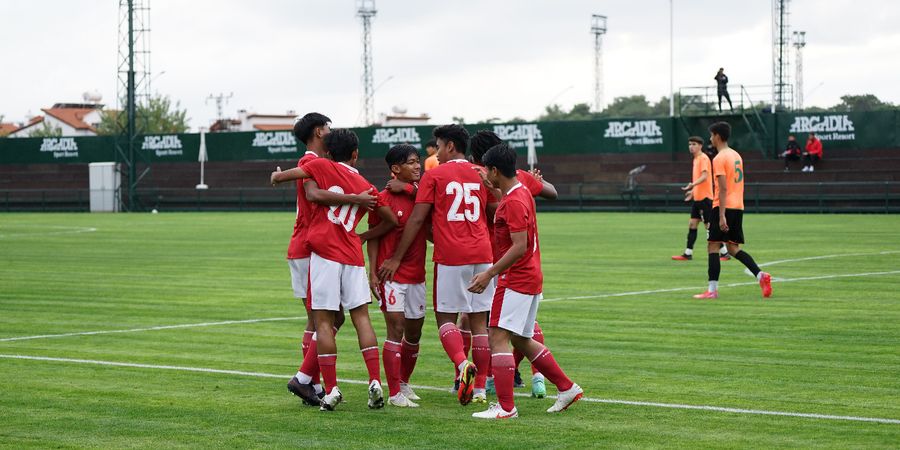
438	389
546	300
164	327
753	283
813	258
64	230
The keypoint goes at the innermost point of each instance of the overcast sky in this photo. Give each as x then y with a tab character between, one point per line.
468	58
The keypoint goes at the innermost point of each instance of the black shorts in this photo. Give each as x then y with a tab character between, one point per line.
735	233
702	209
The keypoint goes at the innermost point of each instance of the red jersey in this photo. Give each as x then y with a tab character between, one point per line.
412	267
458	219
332	229
298	248
516	213
529	182
534	188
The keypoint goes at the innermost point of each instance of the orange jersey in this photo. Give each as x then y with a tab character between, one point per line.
729	163
431	162
702	190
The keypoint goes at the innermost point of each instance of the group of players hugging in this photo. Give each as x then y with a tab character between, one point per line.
477	209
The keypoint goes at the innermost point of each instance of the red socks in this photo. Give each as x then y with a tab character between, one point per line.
310	365
546	364
452	342
467	341
327	364
307	338
409	354
391	357
538	336
370	355
481	356
504	372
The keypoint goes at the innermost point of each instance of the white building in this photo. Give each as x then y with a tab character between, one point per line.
399	118
71	119
248	121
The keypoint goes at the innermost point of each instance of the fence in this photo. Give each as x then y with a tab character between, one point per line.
834	197
767	132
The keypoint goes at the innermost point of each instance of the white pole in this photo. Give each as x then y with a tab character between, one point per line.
202	157
671	58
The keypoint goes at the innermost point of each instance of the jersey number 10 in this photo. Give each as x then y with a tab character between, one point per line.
344	215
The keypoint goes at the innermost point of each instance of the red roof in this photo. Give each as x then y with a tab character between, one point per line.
273	127
74	117
6	128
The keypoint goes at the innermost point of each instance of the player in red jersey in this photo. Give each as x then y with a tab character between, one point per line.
337	276
537	187
457	202
311	130
402	299
518	291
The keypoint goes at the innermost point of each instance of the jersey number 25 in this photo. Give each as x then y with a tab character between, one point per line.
464	192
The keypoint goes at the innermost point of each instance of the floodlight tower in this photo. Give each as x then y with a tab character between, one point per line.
799	43
598	29
133	85
365	10
220	100
781	39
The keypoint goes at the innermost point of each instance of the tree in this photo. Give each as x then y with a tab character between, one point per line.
865	102
458	120
632	106
580	111
46	130
157	117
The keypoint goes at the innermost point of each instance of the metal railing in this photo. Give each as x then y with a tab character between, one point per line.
703	100
826	197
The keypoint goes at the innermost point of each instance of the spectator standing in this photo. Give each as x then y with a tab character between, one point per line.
722	88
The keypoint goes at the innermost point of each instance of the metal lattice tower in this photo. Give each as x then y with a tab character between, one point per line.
133	89
598	29
136	30
220	100
799	43
781	40
365	10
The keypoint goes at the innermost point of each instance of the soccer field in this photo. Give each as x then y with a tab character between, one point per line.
180	330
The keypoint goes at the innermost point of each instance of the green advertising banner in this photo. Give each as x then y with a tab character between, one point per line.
860	130
864	130
56	150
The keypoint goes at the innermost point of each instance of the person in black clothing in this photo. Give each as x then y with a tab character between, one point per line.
791	152
722	90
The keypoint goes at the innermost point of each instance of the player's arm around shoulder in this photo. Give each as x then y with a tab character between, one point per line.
387	223
325	197
415	223
279	176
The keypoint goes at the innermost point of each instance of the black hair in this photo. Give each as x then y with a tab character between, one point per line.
431	143
453	133
503	157
399	153
481	142
696	139
722	129
341	143
304	126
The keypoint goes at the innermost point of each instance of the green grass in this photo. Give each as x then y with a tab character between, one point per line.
829	346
